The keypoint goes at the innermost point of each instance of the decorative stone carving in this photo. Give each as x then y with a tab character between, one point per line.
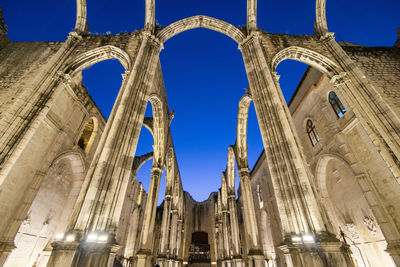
370	224
336	174
340	79
27	220
352	229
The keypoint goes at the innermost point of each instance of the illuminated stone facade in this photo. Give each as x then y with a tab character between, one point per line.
68	189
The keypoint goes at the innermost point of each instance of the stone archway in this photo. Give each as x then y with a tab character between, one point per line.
200	21
307	56
97	55
49	212
349	211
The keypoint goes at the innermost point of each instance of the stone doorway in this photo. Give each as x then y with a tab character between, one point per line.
199	250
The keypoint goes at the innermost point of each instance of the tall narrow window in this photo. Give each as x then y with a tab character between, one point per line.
86	140
260	199
312	132
336	104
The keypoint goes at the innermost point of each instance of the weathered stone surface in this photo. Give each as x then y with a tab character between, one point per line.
65	170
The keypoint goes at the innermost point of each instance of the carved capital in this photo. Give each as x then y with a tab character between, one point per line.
276	76
146	35
340	79
126	74
255	35
156	171
63	77
244	172
74	37
326	37
232	196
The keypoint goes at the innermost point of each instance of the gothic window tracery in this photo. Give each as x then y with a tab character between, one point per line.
312	132
336	104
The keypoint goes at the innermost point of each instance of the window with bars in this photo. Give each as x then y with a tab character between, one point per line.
312	132
336	105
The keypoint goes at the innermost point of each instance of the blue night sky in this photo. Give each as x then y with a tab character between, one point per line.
203	70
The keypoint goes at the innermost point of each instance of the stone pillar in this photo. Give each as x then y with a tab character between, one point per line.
298	210
250	220
146	238
234	231
226	239
179	247
97	211
173	235
218	233
165	224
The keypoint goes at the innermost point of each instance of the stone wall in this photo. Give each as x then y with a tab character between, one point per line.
54	138
21	64
382	67
200	217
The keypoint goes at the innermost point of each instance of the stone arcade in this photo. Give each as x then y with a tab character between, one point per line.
325	191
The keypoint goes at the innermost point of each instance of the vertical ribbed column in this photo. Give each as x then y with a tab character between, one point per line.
98	209
165	224
146	238
299	214
173	234
249	214
234	229
251	15
226	239
179	243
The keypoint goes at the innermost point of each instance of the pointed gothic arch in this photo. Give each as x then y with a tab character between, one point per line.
97	55
50	209
307	56
241	135
200	21
230	170
321	168
158	130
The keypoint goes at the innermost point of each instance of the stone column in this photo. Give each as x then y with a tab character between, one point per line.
165	224
298	210
173	235
218	233
237	258
146	238
98	208
226	239
179	247
249	216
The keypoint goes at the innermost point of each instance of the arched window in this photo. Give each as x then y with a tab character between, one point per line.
260	199
86	140
312	132
336	104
